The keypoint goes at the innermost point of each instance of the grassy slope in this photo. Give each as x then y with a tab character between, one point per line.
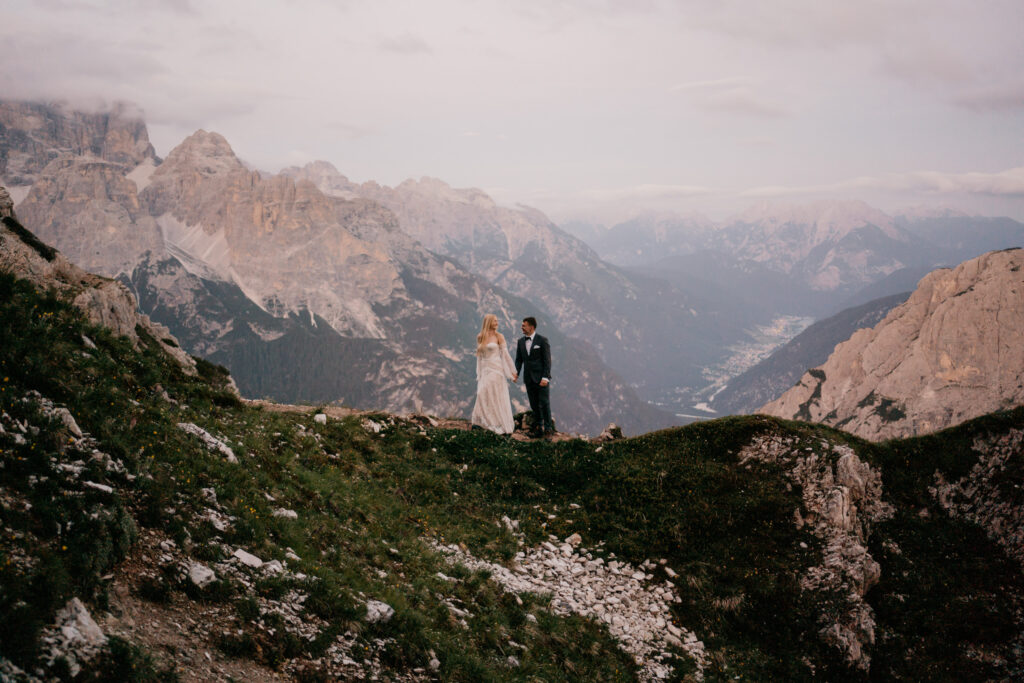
364	500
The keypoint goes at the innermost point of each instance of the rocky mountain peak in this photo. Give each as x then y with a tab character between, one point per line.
326	177
916	213
438	190
34	133
950	353
205	153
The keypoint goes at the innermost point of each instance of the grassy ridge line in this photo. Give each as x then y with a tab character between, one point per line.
364	500
357	533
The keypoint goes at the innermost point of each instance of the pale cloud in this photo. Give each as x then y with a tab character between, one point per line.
716	84
405	44
993	97
664	104
735	95
646	192
744	103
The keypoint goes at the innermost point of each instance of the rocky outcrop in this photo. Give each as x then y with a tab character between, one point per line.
90	209
770	378
842	499
106	302
980	497
627	598
6	204
950	353
74	637
32	134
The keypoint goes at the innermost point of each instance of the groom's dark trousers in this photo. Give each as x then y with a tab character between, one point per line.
534	367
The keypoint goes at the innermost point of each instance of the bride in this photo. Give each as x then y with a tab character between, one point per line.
493	409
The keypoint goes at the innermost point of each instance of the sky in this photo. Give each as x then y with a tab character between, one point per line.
584	109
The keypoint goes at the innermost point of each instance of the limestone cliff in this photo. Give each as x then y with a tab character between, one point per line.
90	209
32	134
106	302
952	352
637	324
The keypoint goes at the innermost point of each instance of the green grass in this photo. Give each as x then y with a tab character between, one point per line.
366	500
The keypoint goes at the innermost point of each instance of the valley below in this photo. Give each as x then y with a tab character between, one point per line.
692	403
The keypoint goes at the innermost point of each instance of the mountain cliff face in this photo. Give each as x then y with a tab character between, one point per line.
828	249
302	295
104	301
656	335
770	378
952	352
31	136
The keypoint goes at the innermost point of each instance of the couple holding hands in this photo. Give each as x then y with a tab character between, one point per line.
493	408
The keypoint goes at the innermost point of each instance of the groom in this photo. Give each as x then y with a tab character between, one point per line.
533	358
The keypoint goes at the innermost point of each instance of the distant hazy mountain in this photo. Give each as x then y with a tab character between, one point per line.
961	237
833	246
951	352
303	296
813	259
770	378
645	238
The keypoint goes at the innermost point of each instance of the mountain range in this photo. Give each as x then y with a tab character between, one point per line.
811	259
310	287
155	527
303	296
638	324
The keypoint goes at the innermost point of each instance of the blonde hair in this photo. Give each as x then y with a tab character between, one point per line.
485	330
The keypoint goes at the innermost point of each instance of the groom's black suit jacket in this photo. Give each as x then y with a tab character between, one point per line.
536	365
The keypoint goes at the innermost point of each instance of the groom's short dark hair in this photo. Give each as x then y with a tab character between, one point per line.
531	321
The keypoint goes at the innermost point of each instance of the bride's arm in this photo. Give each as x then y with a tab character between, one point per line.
506	360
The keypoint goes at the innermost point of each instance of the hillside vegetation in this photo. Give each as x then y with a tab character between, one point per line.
106	497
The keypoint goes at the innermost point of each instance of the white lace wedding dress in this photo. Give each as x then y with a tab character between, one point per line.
493	409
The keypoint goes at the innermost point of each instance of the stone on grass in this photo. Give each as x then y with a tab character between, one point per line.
74	636
273	568
377	611
98	487
210	441
201	575
64	415
248	559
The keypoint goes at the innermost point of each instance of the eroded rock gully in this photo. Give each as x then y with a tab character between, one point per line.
842	498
